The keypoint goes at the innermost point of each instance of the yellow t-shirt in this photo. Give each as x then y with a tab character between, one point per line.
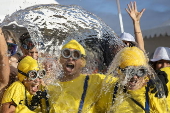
17	93
124	104
65	97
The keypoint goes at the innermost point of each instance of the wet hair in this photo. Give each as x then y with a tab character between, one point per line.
23	37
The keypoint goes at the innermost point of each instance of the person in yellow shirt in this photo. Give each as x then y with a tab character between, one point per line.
165	74
75	92
137	89
23	96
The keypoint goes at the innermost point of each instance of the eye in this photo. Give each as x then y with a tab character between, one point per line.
33	75
141	72
76	54
131	71
66	53
42	73
168	63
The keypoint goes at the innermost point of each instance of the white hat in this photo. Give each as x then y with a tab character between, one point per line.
161	53
127	37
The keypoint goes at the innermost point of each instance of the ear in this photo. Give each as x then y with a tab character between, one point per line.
83	62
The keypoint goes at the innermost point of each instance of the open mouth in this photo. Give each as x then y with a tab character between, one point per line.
70	67
132	82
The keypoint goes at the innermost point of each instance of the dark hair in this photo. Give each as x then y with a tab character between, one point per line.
24	36
152	64
26	42
131	44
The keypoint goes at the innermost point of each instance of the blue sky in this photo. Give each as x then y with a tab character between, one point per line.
157	12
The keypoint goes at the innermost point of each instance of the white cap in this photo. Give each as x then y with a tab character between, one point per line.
161	53
127	37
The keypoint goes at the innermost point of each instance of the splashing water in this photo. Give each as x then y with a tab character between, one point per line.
55	25
131	74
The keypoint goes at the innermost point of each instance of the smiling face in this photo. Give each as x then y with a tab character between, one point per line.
72	67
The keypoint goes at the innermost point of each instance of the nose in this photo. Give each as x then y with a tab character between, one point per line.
71	58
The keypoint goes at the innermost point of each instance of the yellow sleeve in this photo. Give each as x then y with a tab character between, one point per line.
15	92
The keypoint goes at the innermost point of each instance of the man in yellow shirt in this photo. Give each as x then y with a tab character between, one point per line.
75	92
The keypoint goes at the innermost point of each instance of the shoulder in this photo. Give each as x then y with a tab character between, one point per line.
166	70
14	92
100	76
16	85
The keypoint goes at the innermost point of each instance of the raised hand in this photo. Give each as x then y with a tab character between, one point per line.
133	12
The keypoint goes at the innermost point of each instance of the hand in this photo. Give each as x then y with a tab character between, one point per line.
162	80
163	77
133	13
36	99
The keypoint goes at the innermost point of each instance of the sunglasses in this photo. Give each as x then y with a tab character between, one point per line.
75	54
12	48
33	74
138	71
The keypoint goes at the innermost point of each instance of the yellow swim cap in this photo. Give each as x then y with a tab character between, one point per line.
73	44
132	56
25	65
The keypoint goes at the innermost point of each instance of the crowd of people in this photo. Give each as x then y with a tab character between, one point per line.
132	83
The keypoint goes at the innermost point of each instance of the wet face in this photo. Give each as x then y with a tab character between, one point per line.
135	83
134	77
72	67
162	63
32	86
33	53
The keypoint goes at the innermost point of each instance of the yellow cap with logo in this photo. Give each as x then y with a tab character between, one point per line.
73	44
132	56
25	65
